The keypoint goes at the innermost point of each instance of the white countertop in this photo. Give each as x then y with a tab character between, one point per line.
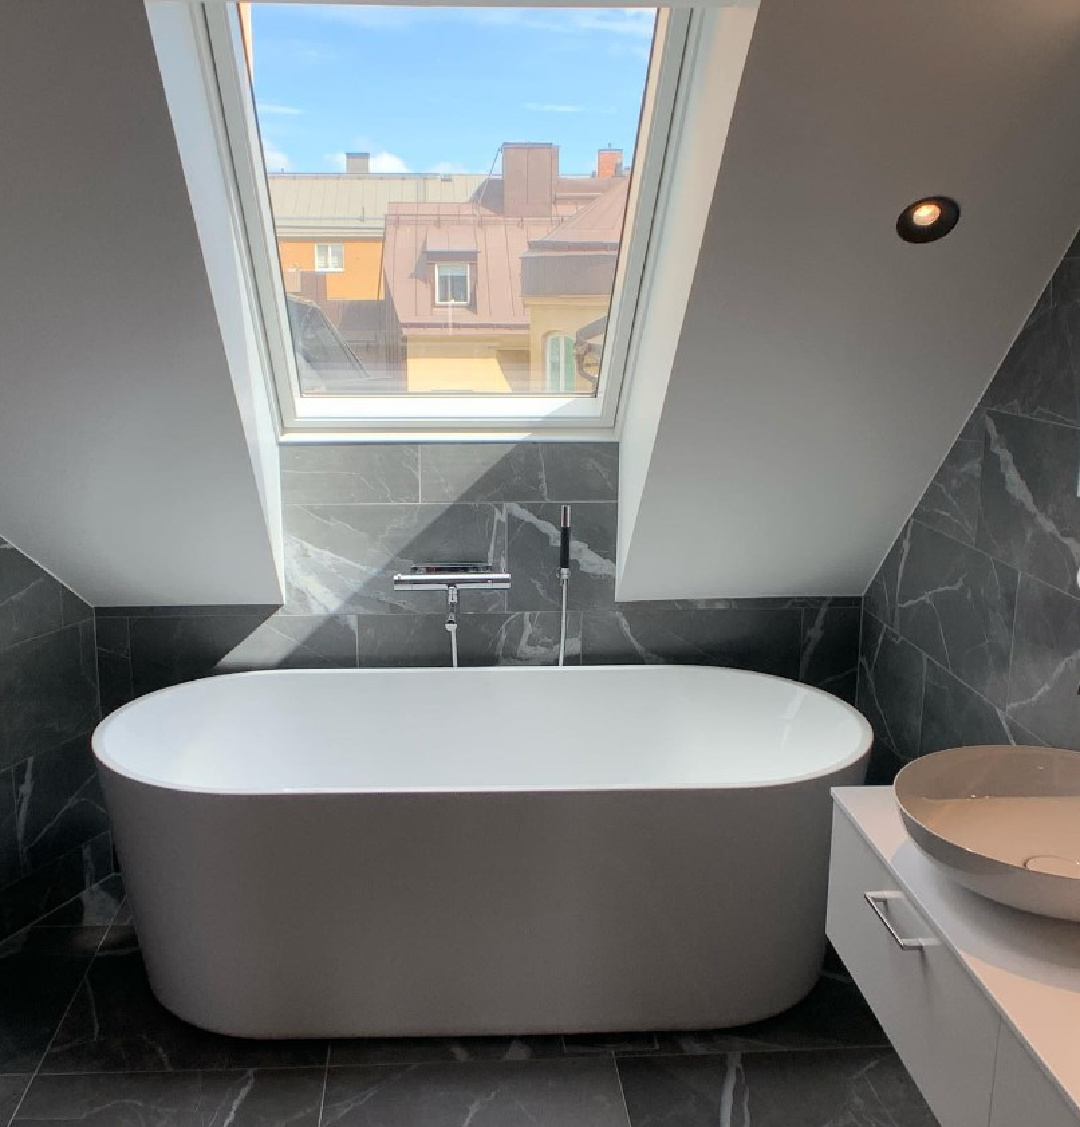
1029	967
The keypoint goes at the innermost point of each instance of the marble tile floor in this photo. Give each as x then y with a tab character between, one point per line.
83	1040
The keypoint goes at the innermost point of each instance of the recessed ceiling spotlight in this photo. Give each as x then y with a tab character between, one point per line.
928	219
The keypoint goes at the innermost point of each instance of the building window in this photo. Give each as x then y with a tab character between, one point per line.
559	365
451	283
329	257
519	234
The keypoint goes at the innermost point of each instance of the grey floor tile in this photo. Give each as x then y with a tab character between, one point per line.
115	1024
96	907
55	884
868	1088
39	971
833	1015
582	1044
51	942
543	1093
430	1050
258	1098
11	1092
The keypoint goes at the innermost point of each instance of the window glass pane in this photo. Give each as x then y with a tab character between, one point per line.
452	284
459	178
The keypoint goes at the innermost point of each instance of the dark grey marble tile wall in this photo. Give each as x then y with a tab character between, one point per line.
356	514
972	627
54	839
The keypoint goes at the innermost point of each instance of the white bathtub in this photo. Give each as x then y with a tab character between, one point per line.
510	850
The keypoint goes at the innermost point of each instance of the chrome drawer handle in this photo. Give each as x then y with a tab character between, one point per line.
877	900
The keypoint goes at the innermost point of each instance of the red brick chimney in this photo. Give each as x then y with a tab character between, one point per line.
609	163
530	172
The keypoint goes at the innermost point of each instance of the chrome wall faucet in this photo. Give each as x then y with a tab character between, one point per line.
453	579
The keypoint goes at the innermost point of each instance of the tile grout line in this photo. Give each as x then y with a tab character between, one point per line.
41	868
325	1081
622	1090
61	1019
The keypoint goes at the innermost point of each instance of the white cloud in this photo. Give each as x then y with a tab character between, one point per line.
552	107
381	160
273	108
387	162
274	158
448	168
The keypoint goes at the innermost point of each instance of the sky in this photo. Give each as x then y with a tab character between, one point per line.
439	89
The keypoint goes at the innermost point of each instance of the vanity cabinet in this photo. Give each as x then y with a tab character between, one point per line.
981	1002
1021	1092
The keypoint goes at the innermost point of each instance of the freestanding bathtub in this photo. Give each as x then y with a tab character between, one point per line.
478	851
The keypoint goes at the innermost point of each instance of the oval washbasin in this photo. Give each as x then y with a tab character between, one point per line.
1003	821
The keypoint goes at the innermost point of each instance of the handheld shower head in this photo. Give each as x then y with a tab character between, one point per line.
564	539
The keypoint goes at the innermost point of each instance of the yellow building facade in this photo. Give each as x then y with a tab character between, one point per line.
558	317
480	364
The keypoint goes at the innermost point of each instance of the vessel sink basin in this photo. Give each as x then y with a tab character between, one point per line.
1003	821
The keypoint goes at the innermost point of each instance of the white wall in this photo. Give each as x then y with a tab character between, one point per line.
825	367
124	464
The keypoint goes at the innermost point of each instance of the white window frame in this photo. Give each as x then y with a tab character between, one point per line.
699	52
455	266
328	256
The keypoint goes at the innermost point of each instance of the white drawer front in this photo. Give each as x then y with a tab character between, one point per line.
943	1028
1023	1093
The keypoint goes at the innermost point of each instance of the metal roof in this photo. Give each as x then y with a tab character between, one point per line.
598	225
317	205
501	243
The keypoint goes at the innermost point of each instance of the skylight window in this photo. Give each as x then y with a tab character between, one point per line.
449	188
446	215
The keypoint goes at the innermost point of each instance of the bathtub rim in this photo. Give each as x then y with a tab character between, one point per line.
863	744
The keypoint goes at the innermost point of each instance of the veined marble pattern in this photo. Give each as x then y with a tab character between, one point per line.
951	501
542	1093
1040	376
31	600
251	1098
953	602
342	558
355	474
892	680
522	472
1043	691
53	830
1029	508
533	537
972	620
59	804
867	1087
82	1040
355	515
55	884
48	692
745	638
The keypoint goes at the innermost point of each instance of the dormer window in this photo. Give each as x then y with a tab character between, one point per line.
483	266
452	283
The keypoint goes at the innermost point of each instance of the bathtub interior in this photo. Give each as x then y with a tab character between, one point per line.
481	729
